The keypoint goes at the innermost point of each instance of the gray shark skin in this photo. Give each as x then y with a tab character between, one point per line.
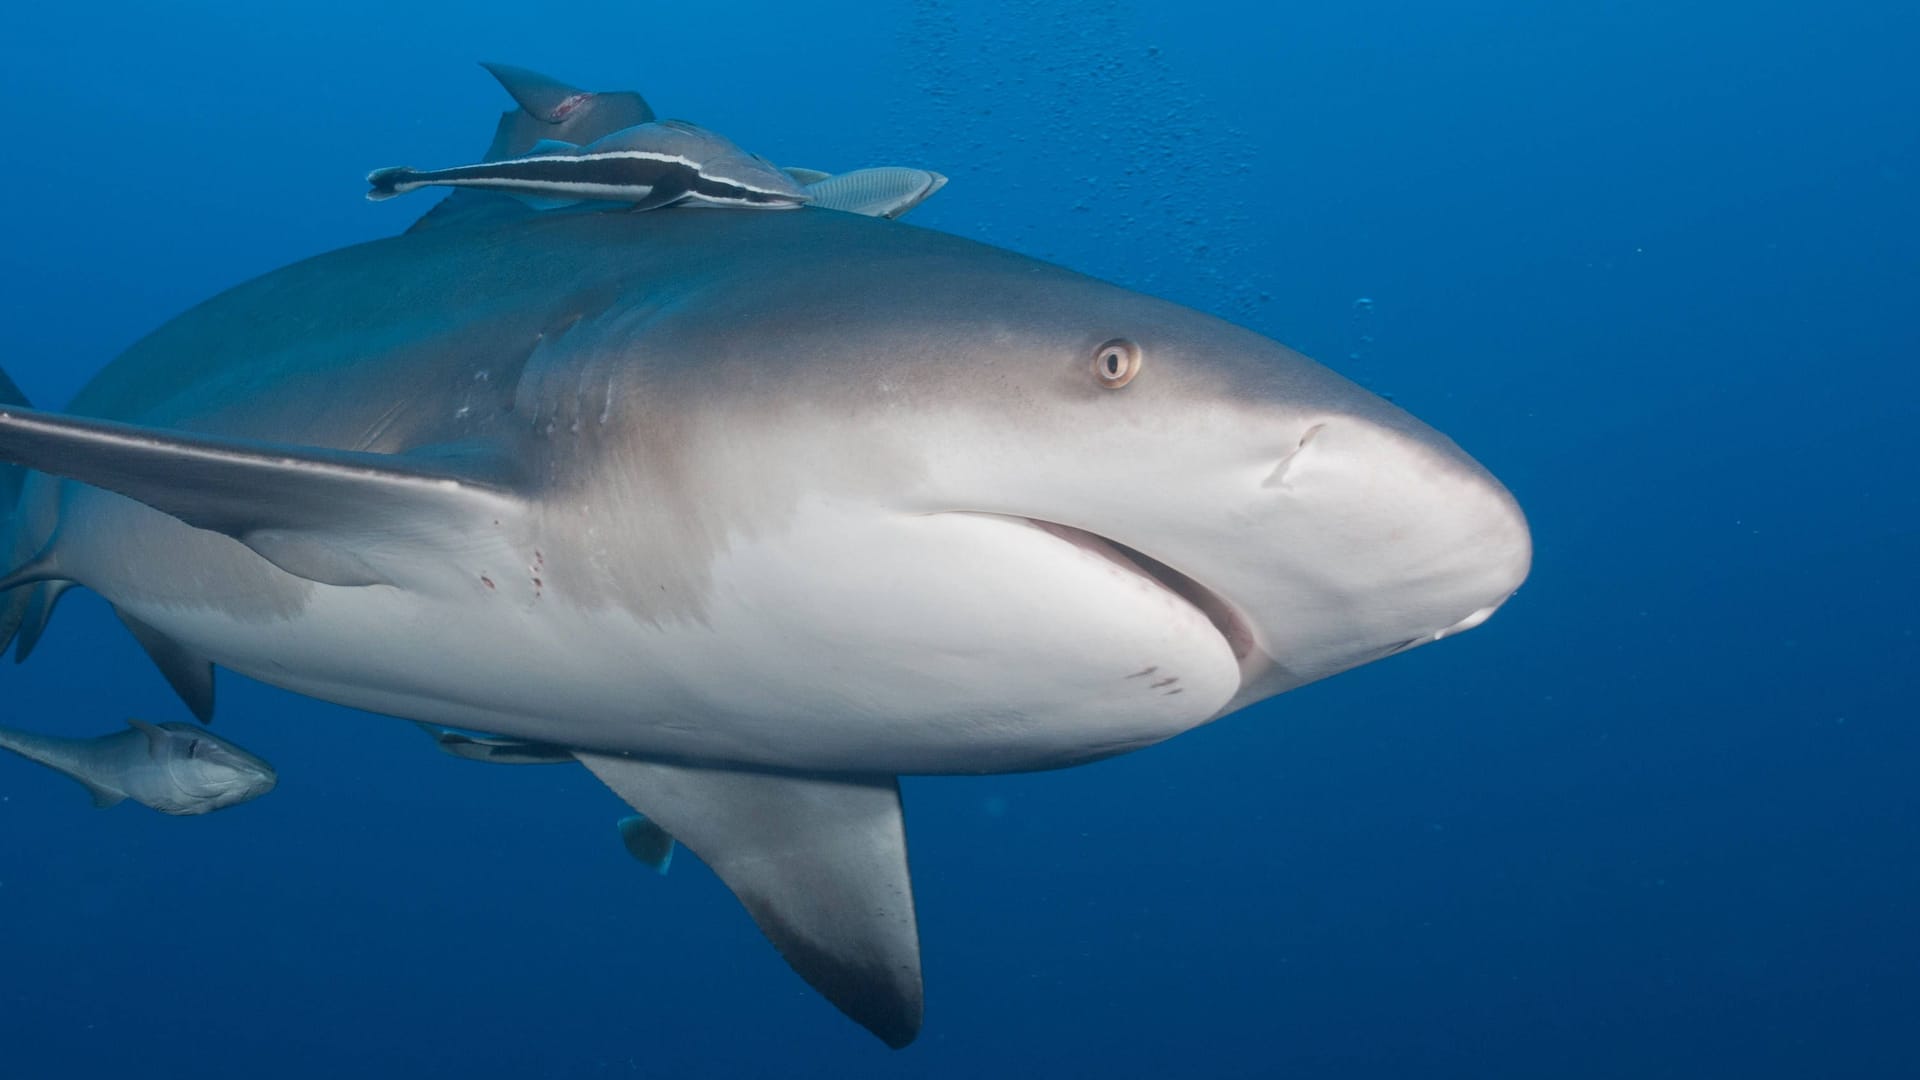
172	767
753	513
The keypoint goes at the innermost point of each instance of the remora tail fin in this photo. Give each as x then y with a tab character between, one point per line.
884	192
68	757
820	862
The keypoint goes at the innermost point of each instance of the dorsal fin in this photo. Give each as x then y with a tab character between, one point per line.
157	737
543	97
597	115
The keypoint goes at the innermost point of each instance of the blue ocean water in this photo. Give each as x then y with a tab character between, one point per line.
1654	264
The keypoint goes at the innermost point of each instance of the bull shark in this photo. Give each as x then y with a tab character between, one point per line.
174	768
751	514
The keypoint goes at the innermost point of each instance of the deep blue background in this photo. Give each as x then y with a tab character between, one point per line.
1655	264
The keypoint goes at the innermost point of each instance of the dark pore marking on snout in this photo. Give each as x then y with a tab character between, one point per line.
1169	681
1145	671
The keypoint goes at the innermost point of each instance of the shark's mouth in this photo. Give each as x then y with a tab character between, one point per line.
1233	629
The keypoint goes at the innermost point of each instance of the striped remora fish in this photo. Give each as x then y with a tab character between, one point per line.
648	165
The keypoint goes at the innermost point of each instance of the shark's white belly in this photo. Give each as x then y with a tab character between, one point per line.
848	640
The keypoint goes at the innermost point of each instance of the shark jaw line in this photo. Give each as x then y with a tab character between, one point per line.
1225	619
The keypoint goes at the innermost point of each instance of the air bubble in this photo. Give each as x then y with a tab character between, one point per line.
1361	324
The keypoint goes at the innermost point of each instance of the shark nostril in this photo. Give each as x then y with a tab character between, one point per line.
1278	477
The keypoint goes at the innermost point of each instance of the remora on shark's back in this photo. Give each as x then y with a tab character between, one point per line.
752	513
646	166
551	111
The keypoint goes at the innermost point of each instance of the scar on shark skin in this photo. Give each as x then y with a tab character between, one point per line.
1145	671
565	108
1168	681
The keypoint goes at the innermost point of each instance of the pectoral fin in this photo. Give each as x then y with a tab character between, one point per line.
819	862
337	517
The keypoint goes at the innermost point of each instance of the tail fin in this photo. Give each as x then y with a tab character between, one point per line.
386	182
15	603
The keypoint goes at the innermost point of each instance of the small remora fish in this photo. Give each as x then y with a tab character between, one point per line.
649	165
643	838
174	768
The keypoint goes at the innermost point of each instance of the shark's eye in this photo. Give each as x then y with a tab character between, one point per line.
1116	363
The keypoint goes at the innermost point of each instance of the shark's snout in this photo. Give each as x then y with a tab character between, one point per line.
1368	536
